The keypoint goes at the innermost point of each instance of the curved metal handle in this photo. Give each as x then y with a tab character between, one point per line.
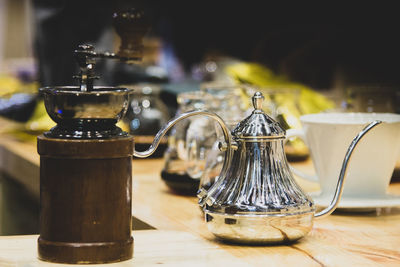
171	123
228	152
342	177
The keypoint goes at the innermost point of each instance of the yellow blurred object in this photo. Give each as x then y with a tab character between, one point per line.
255	74
40	120
286	100
124	126
39	123
10	85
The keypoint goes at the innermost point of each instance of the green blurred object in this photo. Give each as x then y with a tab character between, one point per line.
285	101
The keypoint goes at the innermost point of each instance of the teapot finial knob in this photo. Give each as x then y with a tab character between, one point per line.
258	99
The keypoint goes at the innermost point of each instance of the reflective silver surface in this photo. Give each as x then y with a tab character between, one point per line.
257	200
259	191
85	115
258	182
259	229
258	125
66	103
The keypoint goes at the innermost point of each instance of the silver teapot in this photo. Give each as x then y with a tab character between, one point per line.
256	200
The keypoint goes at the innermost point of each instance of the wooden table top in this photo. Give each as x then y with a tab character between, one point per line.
181	237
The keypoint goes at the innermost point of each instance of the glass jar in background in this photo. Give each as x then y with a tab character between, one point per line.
373	98
281	103
337	97
233	100
146	114
178	173
215	158
230	102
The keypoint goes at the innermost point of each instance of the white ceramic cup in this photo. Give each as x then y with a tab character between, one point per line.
328	136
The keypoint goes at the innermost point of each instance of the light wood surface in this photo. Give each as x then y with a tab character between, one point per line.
152	247
181	237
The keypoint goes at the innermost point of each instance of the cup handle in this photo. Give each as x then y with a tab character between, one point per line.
300	134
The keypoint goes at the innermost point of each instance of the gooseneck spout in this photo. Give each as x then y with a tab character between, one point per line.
342	177
171	123
227	136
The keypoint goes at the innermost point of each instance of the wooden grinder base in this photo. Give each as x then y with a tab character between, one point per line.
85	200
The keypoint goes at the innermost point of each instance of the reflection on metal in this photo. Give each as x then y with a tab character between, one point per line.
256	200
260	229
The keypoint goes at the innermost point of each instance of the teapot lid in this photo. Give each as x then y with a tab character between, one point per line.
258	125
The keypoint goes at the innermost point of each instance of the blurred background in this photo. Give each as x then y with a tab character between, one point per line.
306	57
347	53
324	47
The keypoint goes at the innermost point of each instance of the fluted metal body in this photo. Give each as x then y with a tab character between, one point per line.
258	201
259	181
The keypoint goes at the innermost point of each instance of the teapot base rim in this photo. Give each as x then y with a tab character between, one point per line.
259	230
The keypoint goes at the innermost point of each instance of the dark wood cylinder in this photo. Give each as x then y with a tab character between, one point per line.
85	200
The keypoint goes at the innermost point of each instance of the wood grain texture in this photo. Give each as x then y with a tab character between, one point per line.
182	238
152	248
342	239
85	200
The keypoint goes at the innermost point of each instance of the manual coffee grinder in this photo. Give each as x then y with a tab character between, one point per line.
86	161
